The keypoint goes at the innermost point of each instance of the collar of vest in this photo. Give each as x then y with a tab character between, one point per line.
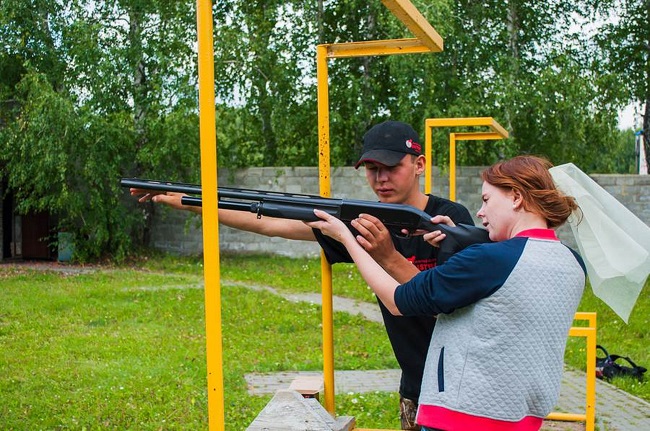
548	234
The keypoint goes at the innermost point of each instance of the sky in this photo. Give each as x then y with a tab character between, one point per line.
627	116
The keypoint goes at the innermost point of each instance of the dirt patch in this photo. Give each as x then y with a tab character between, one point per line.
14	268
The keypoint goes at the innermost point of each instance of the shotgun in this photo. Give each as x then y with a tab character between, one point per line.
396	217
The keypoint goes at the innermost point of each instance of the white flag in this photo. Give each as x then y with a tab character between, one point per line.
614	243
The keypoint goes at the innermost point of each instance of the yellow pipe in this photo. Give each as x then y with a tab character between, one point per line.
589	316
452	167
214	354
326	268
416	23
428	167
589	332
568	417
427	40
477	136
328	333
496	132
590	407
376	47
469	122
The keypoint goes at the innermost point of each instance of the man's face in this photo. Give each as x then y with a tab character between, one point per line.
395	184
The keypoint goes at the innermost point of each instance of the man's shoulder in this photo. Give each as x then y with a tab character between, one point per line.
443	201
441	206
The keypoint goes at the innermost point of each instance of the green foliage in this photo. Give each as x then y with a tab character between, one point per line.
92	100
93	91
625	59
262	66
61	160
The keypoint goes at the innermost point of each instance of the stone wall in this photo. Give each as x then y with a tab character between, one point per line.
180	232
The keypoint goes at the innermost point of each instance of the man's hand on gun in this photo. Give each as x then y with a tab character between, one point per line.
374	237
168	198
434	238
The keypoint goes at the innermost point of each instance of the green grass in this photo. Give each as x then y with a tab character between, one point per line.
123	348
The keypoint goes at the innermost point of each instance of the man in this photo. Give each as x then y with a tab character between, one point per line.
393	162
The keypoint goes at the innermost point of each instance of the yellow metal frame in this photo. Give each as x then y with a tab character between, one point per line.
427	40
211	270
589	332
495	131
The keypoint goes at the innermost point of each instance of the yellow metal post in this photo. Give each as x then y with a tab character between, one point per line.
214	354
326	268
452	166
427	40
416	23
428	167
589	332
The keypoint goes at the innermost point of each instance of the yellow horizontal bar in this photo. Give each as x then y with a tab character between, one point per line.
586	315
462	121
468	122
376	47
477	136
579	331
416	23
568	417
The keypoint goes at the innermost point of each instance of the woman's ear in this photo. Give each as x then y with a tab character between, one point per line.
517	199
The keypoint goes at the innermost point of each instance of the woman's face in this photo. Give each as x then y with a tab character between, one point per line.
498	212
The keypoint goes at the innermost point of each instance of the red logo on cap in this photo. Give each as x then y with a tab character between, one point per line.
414	145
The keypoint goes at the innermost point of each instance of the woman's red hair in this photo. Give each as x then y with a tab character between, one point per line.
529	176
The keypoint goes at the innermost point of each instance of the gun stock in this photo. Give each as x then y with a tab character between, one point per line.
301	207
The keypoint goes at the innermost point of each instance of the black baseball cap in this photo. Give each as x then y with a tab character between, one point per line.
388	142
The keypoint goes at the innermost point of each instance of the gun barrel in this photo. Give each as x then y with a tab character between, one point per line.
301	207
162	186
229	193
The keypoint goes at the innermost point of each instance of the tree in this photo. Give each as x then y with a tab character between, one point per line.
89	110
92	91
264	52
521	63
624	41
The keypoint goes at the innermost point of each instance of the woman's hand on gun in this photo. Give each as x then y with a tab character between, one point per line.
434	238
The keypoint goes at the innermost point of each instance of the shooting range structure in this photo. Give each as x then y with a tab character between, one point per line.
494	131
426	40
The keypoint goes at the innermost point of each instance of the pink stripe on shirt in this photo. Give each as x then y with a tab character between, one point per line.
449	420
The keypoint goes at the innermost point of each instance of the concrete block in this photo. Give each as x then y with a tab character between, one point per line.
289	411
308	386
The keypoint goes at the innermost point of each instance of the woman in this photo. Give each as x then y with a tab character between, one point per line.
504	308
